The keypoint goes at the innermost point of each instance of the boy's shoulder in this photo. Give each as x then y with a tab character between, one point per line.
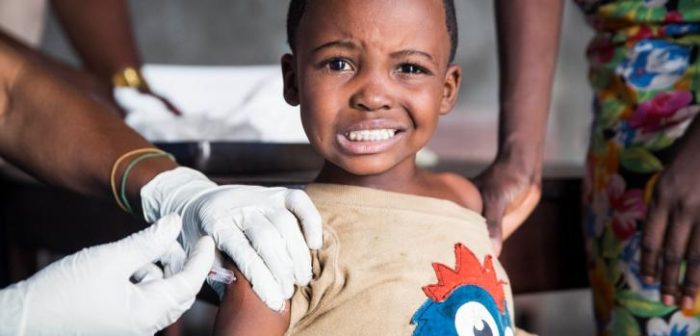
460	190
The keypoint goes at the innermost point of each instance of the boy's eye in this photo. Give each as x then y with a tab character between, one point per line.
338	65
411	69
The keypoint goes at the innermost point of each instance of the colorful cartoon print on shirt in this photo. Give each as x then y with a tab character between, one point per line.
466	301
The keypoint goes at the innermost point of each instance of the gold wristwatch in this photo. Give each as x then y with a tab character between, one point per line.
129	77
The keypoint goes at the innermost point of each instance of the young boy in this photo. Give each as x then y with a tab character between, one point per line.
405	250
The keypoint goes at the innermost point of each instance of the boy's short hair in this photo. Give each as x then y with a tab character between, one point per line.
297	7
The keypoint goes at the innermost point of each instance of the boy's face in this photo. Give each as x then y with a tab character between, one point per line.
372	78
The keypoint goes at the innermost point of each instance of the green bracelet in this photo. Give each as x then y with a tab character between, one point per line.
128	169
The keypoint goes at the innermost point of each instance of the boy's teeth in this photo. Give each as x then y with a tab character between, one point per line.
371	135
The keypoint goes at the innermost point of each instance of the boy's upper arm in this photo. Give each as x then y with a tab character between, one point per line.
241	311
467	193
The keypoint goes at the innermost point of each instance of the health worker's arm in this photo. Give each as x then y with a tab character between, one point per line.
63	138
49	129
84	81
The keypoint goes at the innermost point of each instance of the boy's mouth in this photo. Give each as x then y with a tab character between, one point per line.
369	141
371	135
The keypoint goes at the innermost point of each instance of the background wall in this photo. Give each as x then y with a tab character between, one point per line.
246	32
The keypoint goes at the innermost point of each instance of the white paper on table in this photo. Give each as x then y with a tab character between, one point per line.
219	103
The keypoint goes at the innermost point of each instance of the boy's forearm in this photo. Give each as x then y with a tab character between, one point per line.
528	42
101	33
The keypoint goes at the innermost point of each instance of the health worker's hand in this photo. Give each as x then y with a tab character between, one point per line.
90	292
167	103
259	228
144	101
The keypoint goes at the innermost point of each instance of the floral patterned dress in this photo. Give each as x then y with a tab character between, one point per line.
645	72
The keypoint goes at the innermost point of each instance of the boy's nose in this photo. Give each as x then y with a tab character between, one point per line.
373	95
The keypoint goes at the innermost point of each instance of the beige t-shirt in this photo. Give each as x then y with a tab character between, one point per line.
376	272
23	19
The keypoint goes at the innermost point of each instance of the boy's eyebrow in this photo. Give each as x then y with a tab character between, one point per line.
348	44
345	44
410	52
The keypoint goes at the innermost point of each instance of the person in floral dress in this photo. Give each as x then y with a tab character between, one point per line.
642	183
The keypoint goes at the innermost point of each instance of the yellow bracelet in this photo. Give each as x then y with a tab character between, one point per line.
125	174
129	77
113	174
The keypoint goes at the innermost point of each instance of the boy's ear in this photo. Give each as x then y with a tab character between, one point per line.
450	92
289	76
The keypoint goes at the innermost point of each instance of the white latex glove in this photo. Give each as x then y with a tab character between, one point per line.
259	228
89	293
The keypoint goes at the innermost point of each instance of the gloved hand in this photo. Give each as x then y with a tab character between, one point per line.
257	227
90	293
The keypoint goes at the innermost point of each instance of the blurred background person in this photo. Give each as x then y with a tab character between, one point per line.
641	223
99	31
